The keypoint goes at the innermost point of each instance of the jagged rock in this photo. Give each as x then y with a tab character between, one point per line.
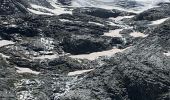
86	44
139	73
7	77
143	71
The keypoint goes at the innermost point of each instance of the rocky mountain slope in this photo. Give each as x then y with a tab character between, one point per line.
70	50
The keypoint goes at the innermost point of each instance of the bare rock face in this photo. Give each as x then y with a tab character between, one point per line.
84	45
141	73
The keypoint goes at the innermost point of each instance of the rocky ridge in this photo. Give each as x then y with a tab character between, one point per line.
36	53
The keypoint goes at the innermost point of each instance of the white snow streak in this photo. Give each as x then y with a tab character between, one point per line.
138	34
26	70
114	33
38	12
79	72
96	23
160	21
5	42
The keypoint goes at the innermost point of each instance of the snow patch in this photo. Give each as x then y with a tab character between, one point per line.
12	25
39	12
118	21
114	33
95	55
119	18
138	34
65	20
4	56
112	23
5	42
79	72
160	21
26	70
5	23
167	54
96	23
